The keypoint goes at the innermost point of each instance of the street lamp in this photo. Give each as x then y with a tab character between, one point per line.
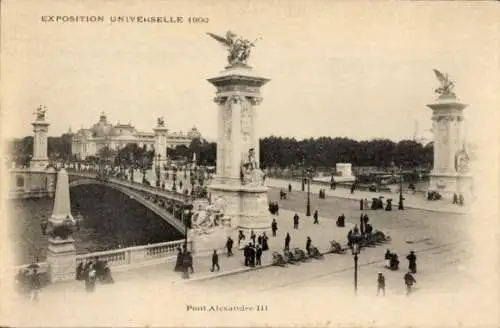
308	206
401	198
355	252
186	219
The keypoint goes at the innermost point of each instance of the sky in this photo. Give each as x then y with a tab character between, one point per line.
350	69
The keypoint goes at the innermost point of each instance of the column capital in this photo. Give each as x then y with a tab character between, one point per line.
255	100
220	100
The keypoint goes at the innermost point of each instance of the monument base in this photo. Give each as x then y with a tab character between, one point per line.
39	164
203	244
61	257
246	205
448	184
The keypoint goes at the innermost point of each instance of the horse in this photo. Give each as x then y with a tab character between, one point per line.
299	254
315	253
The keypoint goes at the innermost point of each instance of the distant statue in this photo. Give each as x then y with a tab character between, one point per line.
40	113
239	49
462	162
446	88
250	172
160	121
205	220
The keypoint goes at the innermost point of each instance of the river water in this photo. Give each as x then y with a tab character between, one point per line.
111	220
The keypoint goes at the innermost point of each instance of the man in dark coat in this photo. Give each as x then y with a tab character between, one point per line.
246	254
178	262
289	187
252	255
308	244
258	255
296	221
412	262
409	282
316	217
274	227
361	204
229	246
287	241
215	261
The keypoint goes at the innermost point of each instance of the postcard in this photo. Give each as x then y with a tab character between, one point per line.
249	163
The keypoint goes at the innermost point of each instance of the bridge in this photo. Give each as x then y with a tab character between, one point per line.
166	204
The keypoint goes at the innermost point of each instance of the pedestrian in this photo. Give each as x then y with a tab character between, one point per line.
356	230
252	255
361	204
380	284
241	237
252	236
412	262
229	246
296	221
90	281
258	255
34	285
246	254
409	282
259	240
308	244
180	185
178	262
287	242
274	227
289	187
190	261
215	261
361	225
265	245
366	204
387	258
316	217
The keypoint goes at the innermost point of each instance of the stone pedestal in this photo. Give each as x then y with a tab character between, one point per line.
203	244
247	206
40	159
61	257
238	94
449	143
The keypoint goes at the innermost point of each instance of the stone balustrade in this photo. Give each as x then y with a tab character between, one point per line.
126	258
136	256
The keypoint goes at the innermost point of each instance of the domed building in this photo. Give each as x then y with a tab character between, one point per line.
88	142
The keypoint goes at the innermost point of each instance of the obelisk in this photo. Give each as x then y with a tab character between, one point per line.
61	254
238	181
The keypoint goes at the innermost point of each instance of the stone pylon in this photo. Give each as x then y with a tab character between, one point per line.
40	160
237	96
61	255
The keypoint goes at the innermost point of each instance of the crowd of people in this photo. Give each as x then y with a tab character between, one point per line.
92	272
392	263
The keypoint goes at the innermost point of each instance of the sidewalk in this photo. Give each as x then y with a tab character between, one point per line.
411	201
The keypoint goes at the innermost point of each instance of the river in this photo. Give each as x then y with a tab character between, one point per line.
111	220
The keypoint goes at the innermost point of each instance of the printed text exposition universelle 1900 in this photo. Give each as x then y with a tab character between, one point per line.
124	19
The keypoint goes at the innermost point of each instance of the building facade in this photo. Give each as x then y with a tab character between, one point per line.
88	142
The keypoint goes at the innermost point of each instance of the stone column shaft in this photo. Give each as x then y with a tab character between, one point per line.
235	138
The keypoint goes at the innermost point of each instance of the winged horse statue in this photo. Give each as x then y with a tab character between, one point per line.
239	49
446	88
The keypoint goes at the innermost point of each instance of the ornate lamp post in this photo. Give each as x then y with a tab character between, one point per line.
158	170
174	178
355	252
401	198
186	219
308	180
